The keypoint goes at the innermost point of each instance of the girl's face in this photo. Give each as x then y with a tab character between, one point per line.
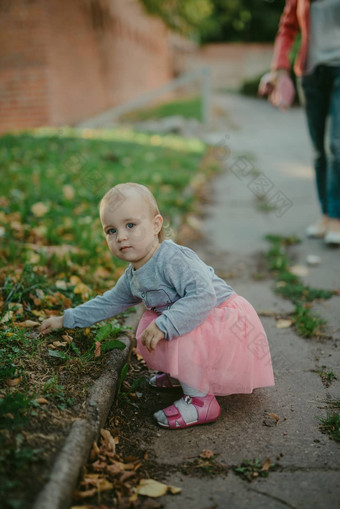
130	230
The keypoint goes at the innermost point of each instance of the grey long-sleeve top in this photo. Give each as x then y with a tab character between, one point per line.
175	283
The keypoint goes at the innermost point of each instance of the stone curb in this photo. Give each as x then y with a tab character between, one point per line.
57	492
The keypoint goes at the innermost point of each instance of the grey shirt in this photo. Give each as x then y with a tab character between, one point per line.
324	34
175	283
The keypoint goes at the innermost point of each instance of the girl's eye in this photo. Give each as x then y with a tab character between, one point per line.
110	231
130	225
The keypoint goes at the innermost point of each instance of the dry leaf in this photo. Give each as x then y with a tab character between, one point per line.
27	323
39	209
62	285
108	439
266	312
7	317
42	401
299	270
60	343
85	494
283	324
13	382
97	350
155	489
266	465
275	417
206	454
68	192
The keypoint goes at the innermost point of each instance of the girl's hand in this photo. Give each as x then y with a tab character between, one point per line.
54	322
151	336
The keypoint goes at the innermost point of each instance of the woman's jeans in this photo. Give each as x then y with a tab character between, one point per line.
321	91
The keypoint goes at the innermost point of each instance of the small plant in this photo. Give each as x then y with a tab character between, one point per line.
55	392
290	287
251	469
331	425
306	324
327	377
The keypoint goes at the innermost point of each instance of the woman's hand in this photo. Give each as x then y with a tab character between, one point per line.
54	322
279	88
151	336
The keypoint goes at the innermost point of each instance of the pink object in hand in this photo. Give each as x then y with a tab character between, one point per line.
283	93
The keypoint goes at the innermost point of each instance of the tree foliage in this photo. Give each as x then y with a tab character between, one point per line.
220	20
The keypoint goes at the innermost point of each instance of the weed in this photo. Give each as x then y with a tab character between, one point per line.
14	410
290	287
251	469
55	392
306	324
331	425
327	377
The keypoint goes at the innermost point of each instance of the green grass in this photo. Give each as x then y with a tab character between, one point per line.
290	287
190	107
331	423
53	255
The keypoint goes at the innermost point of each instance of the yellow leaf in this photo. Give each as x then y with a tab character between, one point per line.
275	417
13	382
42	401
75	280
266	465
283	324
155	489
27	324
39	209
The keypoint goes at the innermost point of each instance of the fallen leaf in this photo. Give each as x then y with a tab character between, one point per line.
27	323
62	285
266	312
69	192
283	324
108	439
85	494
299	270
97	350
275	417
60	343
206	454
39	209
13	382
155	489
7	317
42	401
266	464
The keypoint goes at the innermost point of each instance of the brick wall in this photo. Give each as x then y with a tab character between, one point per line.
62	61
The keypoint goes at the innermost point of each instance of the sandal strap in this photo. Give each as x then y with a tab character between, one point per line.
174	416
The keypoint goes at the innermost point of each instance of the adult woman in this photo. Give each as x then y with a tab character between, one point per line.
317	67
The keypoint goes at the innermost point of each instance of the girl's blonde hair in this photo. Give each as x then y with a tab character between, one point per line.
116	195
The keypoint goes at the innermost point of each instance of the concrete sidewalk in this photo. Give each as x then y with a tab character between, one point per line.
255	140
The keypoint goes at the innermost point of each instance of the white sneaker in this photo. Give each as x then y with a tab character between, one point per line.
333	233
332	238
318	230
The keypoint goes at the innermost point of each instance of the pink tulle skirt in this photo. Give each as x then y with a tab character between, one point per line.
227	354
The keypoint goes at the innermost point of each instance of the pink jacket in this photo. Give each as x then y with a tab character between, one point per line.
294	19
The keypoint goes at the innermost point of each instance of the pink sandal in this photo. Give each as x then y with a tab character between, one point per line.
208	410
163	381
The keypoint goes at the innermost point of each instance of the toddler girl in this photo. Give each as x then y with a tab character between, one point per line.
196	330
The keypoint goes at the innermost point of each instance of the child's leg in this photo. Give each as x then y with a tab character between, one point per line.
163	381
195	407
